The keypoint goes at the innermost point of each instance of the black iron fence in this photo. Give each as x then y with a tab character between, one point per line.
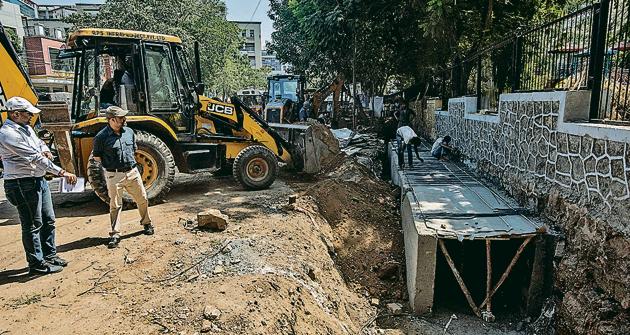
586	50
611	63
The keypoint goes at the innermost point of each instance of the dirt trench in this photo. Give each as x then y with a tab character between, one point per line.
312	267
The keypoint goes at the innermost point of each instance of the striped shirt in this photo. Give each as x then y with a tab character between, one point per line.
22	152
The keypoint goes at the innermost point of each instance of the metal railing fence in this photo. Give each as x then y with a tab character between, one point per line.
588	49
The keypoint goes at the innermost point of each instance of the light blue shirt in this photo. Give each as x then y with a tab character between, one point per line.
21	152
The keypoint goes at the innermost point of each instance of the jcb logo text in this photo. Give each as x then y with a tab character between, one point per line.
221	109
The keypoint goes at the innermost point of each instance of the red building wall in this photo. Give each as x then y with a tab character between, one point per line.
38	54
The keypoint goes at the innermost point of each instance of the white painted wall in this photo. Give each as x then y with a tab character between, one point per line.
572	117
11	17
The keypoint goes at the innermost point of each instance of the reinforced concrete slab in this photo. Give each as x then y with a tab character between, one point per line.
441	200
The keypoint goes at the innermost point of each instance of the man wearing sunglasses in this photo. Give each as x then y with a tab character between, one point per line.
115	147
26	160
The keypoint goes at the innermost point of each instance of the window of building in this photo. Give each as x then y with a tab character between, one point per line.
251	33
244	33
249	47
66	65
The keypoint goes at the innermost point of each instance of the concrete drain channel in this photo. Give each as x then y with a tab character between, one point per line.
465	244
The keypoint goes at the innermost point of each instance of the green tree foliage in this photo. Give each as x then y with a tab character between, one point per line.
191	20
405	39
15	40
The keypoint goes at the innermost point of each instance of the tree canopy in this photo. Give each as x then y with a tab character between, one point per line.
224	69
407	40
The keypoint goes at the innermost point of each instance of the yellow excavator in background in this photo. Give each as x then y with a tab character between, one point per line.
177	127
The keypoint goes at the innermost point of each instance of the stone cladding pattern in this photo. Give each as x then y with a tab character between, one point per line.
526	141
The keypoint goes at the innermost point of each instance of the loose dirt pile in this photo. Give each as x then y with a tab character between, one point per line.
270	272
362	212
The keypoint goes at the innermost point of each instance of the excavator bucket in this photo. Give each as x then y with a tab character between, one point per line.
312	146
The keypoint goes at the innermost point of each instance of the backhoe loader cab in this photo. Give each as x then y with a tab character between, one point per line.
286	96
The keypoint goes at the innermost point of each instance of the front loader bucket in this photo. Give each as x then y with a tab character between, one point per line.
312	145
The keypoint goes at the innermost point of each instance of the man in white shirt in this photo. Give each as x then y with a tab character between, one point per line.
406	138
26	159
442	148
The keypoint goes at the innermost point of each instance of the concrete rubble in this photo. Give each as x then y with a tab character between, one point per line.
212	219
366	147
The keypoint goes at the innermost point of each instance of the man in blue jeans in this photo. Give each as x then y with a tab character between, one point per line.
406	138
26	160
442	148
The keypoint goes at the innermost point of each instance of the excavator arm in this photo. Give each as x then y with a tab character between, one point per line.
320	95
14	80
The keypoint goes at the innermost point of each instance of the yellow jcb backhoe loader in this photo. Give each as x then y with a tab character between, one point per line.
176	126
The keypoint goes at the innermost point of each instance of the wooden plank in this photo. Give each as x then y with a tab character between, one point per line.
507	271
64	149
488	277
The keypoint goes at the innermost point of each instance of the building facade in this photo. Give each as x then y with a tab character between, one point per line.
270	60
11	19
252	46
48	73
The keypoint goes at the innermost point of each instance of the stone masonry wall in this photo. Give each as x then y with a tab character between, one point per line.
578	183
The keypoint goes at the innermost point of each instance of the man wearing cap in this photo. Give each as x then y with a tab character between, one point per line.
26	160
115	146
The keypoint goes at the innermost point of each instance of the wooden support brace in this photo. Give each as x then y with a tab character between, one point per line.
507	271
487	314
459	279
64	149
488	277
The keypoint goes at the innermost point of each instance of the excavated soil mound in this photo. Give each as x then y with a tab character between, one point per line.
363	215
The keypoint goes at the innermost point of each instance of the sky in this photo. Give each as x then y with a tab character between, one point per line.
238	10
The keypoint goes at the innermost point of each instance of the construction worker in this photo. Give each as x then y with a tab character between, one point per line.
306	109
26	160
404	115
406	138
442	148
115	146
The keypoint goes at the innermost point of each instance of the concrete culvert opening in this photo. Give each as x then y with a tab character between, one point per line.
469	257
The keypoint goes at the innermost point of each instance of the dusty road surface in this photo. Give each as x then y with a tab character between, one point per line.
315	267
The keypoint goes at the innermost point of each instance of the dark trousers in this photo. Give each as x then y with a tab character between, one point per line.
32	198
401	152
440	152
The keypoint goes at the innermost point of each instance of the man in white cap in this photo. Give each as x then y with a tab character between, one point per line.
26	160
115	147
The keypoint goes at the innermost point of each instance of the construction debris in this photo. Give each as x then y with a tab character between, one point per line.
394	308
211	313
365	147
212	219
206	326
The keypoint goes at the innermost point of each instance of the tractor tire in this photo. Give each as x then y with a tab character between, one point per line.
156	166
255	167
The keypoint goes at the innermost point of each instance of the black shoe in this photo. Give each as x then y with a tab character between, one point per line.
113	242
56	260
44	269
148	229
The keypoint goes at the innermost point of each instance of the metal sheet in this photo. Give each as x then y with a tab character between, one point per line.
452	203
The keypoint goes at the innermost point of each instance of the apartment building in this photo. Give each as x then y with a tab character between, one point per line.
252	47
